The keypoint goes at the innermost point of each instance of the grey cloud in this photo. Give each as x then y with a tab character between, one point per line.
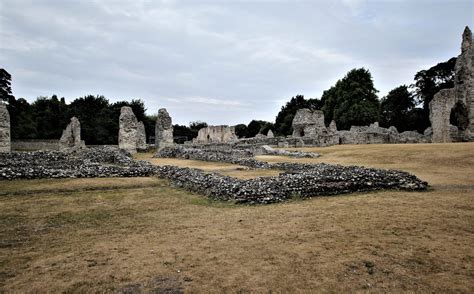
224	62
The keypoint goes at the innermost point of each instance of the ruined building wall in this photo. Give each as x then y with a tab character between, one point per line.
163	129
127	139
216	134
460	99
71	137
5	137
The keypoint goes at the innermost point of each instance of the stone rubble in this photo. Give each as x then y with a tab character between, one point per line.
298	180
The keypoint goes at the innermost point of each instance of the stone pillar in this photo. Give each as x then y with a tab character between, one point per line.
128	124
5	138
270	134
141	137
163	130
71	137
440	111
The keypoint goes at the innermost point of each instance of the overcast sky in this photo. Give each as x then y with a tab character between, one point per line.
223	62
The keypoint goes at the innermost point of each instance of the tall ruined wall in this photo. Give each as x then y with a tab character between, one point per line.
307	123
5	137
71	137
460	98
440	110
216	134
127	139
163	129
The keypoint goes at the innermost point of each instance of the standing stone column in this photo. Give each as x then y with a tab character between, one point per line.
71	137
128	124
141	137
163	130
5	139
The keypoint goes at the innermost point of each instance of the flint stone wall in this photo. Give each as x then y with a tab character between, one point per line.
5	135
461	95
216	134
302	180
35	145
141	137
163	129
128	124
71	137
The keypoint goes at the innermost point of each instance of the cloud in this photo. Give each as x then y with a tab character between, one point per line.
224	62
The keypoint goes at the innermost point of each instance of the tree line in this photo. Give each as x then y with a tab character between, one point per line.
351	101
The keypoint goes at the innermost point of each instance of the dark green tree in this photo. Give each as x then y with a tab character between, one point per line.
284	119
396	109
258	126
51	116
428	83
241	130
99	121
22	119
5	85
352	101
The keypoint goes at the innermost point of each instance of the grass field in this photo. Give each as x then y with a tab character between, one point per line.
140	234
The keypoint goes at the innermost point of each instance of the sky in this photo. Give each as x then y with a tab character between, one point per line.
218	61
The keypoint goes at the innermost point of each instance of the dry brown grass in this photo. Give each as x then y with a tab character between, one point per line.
159	238
231	170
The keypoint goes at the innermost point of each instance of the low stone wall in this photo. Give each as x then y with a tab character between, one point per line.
35	145
299	180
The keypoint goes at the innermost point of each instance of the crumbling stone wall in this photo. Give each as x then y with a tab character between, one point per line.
5	137
141	137
163	129
461	96
128	125
440	110
71	137
307	123
216	134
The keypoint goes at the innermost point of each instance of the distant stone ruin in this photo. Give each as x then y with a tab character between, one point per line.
71	137
163	129
216	134
308	123
5	138
456	105
128	124
374	134
270	134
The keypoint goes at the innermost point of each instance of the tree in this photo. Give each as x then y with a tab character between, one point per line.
22	121
352	101
241	130
5	85
429	82
258	126
284	119
396	109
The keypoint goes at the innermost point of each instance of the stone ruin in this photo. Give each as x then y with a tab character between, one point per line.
310	124
131	132
216	134
5	138
141	137
71	137
456	103
163	130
